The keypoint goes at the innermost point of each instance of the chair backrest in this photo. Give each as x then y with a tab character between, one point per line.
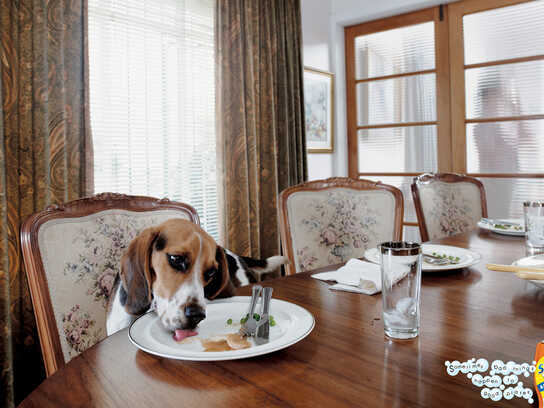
72	254
447	204
325	222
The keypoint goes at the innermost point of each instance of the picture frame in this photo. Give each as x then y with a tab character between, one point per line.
319	110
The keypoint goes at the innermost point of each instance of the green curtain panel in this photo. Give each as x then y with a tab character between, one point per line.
45	156
261	144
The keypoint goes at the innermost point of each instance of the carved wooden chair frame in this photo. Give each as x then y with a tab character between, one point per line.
39	290
446	178
329	184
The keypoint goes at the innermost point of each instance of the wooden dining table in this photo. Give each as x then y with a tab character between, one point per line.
346	360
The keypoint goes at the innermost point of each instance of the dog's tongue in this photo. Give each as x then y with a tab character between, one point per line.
179	334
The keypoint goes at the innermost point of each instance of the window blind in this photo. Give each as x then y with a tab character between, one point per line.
152	99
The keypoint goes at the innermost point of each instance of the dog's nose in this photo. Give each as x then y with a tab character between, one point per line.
194	314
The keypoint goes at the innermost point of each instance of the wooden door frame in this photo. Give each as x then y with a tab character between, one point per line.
439	15
457	11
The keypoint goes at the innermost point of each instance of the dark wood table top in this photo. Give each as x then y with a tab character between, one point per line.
346	360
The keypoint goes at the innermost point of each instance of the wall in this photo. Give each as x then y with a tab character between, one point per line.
323	23
316	21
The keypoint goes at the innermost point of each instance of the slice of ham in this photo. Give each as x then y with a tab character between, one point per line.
180	335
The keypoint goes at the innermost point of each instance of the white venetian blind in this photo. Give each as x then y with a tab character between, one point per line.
152	95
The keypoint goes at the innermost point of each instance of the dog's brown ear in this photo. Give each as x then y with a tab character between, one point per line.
220	285
136	272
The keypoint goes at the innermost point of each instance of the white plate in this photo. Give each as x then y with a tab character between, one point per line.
293	323
536	261
466	257
520	221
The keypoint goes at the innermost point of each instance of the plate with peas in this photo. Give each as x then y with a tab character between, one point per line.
217	338
438	258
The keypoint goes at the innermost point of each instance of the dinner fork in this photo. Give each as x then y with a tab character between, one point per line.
263	326
249	327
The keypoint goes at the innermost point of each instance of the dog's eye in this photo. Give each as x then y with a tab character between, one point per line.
210	273
179	262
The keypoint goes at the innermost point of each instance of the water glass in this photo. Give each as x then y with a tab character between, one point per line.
534	224
401	287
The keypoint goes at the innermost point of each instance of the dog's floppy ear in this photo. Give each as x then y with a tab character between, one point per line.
136	272
220	283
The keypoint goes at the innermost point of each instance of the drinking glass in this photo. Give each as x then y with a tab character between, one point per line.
534	224
401	287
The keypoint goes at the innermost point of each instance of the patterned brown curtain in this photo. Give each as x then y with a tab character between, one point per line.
261	142
45	156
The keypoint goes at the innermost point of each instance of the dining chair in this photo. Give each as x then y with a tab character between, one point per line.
447	204
325	222
72	254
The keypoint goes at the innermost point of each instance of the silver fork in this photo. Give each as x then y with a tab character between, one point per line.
263	326
249	327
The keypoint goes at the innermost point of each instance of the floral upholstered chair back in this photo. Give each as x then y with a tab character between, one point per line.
447	204
326	222
72	256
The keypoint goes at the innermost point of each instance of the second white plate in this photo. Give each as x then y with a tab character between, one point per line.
466	257
509	231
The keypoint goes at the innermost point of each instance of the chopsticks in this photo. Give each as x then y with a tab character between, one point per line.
523	272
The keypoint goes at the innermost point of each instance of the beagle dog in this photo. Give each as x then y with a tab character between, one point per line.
172	268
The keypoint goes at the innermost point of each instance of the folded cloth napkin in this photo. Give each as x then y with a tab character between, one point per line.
359	276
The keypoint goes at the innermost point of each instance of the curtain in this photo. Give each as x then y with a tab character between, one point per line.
45	156
261	146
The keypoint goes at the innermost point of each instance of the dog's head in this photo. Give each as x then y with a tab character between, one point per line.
175	265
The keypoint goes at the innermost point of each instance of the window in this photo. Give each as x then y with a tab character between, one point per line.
152	94
498	119
454	88
396	124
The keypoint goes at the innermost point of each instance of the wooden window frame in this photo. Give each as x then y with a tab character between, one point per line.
457	74
439	16
450	86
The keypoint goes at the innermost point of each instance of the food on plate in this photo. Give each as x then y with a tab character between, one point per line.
215	345
508	227
228	342
257	317
237	342
445	256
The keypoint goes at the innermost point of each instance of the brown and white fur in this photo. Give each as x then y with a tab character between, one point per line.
172	268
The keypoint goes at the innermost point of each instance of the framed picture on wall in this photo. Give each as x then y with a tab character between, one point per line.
318	110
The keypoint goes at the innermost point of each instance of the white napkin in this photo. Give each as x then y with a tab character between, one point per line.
359	276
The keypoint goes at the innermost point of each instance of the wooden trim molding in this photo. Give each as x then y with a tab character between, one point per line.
330	184
507	175
446	178
394	125
389	23
392	174
505	61
393	76
441	70
37	280
505	118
